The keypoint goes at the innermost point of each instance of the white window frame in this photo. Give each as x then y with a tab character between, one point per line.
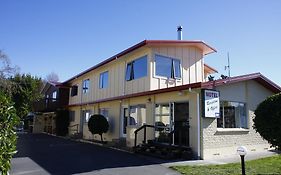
54	96
86	83
172	58
86	115
132	68
138	115
101	111
101	80
223	118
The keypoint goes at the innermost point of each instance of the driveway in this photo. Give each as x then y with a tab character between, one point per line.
45	154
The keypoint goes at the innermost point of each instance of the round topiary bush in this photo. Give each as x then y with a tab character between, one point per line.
268	120
98	124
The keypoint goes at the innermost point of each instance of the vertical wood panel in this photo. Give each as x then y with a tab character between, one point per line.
186	66
192	65
199	65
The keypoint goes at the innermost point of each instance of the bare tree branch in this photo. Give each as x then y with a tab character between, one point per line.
52	77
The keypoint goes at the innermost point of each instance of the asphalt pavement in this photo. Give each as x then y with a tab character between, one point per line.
44	154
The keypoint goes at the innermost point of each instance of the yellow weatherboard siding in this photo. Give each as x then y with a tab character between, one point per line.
192	71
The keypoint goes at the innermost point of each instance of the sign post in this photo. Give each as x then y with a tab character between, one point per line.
242	151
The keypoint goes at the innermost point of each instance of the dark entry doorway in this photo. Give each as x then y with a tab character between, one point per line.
181	123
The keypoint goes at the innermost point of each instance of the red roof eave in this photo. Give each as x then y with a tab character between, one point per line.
206	50
261	79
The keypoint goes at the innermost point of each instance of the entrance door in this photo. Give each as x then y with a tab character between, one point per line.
181	123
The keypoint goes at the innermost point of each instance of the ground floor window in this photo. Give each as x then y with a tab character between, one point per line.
104	112
86	114
163	114
71	116
137	115
232	115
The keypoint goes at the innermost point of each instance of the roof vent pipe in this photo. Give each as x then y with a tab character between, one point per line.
179	32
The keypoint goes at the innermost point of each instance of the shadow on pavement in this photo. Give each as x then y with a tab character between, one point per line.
60	156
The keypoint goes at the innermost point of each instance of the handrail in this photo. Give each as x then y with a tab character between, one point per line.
144	132
170	134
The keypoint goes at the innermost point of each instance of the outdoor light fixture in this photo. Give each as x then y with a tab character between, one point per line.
242	151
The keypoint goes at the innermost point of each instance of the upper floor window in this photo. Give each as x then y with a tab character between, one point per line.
74	90
103	83
136	69
232	115
86	86
54	96
167	67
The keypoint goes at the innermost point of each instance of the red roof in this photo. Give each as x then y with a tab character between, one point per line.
200	44
258	77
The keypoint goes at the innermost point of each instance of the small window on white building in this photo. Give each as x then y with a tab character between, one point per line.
232	115
103	83
137	115
86	86
136	69
167	67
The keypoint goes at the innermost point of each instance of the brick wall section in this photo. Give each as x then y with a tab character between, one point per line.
212	138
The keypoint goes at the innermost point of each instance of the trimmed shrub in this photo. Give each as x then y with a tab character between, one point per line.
8	138
268	120
98	124
62	122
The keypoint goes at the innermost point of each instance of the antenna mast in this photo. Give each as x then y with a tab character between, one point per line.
228	65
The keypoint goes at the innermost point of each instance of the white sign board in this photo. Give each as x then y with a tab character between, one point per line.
211	103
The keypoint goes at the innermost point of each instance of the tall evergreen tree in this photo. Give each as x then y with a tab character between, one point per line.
26	92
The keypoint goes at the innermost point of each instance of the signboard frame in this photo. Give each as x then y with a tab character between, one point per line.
217	103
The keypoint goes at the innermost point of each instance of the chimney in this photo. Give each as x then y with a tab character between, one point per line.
179	32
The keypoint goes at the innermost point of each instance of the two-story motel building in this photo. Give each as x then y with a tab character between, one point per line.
161	81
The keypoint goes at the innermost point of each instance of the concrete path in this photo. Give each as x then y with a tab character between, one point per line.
43	154
223	159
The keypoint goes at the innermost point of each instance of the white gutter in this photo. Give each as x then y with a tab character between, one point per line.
199	126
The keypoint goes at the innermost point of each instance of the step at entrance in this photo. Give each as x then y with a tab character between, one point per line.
164	150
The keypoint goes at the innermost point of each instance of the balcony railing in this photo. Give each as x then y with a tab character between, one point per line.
46	105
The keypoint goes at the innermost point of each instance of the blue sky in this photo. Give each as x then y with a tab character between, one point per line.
69	36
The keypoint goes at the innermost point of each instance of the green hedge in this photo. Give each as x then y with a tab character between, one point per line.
268	120
8	137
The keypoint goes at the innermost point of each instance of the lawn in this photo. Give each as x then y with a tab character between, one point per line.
270	165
